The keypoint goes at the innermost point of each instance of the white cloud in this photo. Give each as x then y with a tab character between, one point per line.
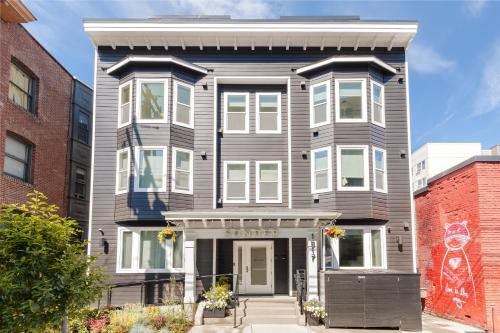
475	7
488	93
425	59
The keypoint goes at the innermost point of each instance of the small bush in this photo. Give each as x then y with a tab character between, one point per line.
122	321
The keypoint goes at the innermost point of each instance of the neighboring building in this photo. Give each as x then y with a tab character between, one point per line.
248	136
458	218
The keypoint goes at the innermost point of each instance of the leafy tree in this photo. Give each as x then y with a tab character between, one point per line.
45	274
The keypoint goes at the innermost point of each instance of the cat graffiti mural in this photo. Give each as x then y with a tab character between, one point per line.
456	275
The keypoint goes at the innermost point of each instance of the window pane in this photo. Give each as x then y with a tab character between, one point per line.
19	78
376	248
268	103
321	160
268	190
14	168
377	94
182	160
379	180
81	174
328	252
236	172
183	95
127	249
152	252
183	114
151	169
379	160
19	97
319	94
268	122
350	100
352	168
182	180
351	249
123	161
83	127
178	248
123	181
16	148
236	121
125	109
152	95
268	172
236	190
321	180
377	113
125	94
320	113
236	103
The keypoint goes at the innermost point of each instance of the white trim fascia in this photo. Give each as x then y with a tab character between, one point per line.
118	152
92	157
215	131
216	214
147	59
257	79
328	104
257	182
382	92
247	112
247	182
131	111
313	170
138	98
364	112
289	133
366	168
138	150
384	152
340	60
174	169
174	105
257	113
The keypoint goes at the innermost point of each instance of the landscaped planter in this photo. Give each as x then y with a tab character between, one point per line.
312	321
207	313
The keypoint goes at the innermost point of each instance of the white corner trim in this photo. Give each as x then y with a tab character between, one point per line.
138	150
382	92
92	157
257	113
374	170
312	124
215	131
247	112
366	170
289	132
364	112
191	107
131	111
146	59
313	170
138	99
257	182
174	169
340	60
247	182
117	183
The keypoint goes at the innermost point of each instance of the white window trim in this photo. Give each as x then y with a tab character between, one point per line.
247	182
257	112
382	92
139	97
174	169
311	104
313	169
137	166
367	248
247	112
364	117
131	111
191	109
366	167
384	152
136	234
257	177
127	150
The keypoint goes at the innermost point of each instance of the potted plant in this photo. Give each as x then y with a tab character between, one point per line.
167	233
315	312
216	300
334	231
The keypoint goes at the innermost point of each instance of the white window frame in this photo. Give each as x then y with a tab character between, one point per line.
131	111
384	152
257	112
138	99
191	110
382	93
118	153
367	248
247	112
311	104
136	245
247	182
257	185
137	169
174	169
366	168
364	117
313	170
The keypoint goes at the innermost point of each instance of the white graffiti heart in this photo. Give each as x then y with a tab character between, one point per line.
455	262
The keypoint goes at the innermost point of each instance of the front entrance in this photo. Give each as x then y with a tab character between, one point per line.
253	261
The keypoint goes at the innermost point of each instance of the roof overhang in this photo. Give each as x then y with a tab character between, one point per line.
152	59
346	60
15	11
234	34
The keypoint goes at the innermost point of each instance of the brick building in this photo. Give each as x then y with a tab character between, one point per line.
458	220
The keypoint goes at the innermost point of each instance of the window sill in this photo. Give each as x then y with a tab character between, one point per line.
149	271
18	180
33	114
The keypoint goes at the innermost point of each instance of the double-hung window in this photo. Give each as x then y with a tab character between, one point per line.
140	251
122	170
236	181
379	170
125	104
183	104
350	100
21	88
352	168
182	162
236	112
361	247
152	100
268	113
321	170
319	104
268	178
17	160
83	127
80	190
378	101
151	169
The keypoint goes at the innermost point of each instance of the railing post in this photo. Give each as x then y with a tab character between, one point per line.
142	293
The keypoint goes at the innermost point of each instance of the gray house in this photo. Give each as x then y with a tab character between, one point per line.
248	137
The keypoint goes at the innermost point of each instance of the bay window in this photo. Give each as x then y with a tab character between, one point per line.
319	104
236	181
352	168
236	113
321	170
183	105
268	181
378	101
350	100
152	100
151	169
268	113
379	170
125	104
182	162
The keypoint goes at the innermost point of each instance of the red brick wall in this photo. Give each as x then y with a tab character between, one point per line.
48	130
449	247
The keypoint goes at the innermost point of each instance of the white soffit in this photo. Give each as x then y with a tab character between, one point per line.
344	60
153	59
221	214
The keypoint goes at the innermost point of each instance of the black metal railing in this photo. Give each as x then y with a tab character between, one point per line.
301	286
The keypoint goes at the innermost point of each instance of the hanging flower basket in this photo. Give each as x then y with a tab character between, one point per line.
334	232
166	234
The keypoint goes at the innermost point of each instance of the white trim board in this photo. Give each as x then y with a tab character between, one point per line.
151	59
347	60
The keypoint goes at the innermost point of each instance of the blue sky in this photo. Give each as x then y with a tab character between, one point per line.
454	59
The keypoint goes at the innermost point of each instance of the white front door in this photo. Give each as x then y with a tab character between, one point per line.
253	261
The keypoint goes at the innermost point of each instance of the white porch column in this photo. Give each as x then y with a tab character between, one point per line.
189	267
312	258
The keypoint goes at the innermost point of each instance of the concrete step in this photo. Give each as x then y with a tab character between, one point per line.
257	320
269	299
267	311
